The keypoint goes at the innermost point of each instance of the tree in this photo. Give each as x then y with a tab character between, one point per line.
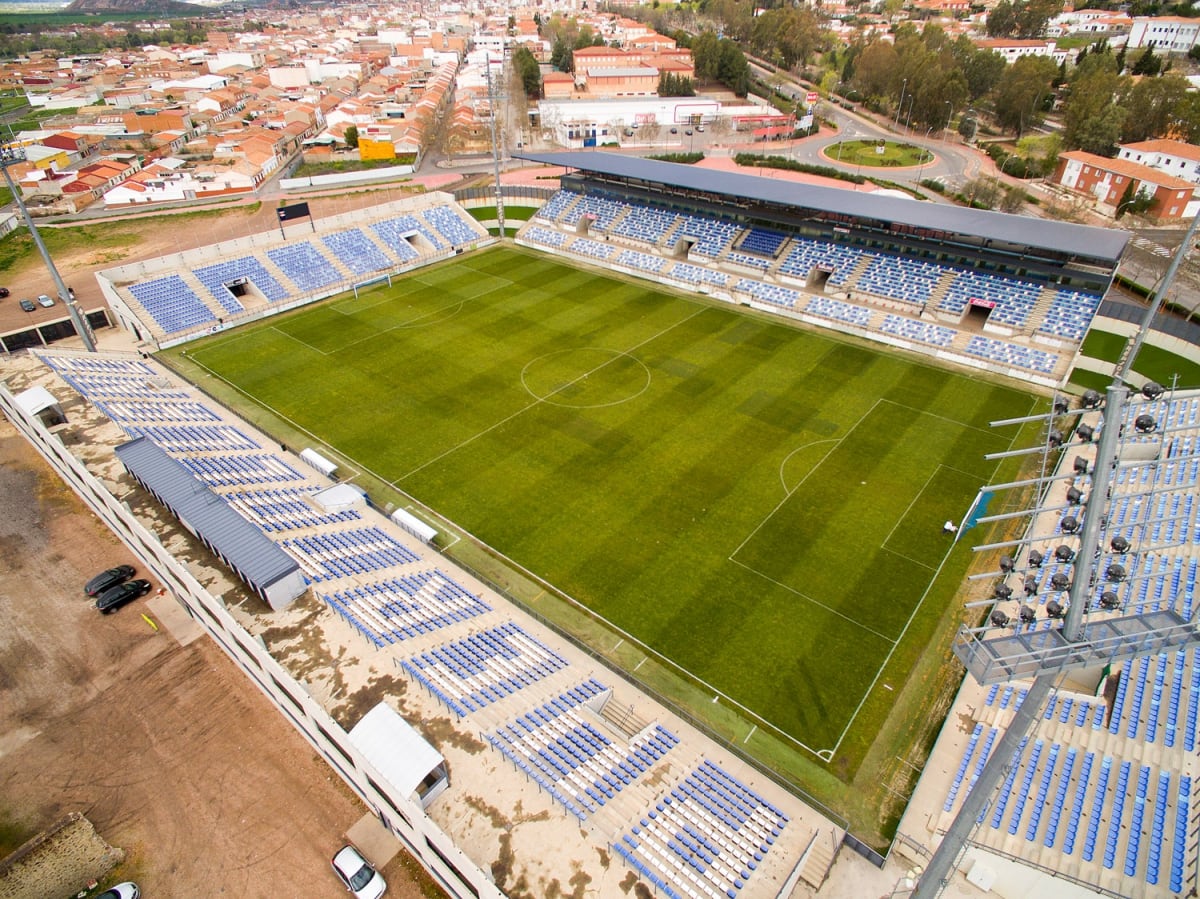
350	136
1153	107
704	55
1092	118
672	85
1022	91
1034	15
875	70
1148	63
732	68
562	57
981	68
528	71
1002	20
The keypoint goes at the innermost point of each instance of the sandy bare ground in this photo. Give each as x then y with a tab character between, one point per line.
168	749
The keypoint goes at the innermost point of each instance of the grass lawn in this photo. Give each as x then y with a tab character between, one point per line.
1103	345
760	505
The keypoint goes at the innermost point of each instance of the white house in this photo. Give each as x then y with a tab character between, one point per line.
1171	156
1170	34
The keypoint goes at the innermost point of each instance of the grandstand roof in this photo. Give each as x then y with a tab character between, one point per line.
1095	243
247	549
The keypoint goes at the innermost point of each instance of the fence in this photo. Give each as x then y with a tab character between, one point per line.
427	843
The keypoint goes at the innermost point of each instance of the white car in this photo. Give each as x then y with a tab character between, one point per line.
357	874
44	300
126	890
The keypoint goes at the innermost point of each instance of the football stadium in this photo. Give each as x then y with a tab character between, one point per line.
659	519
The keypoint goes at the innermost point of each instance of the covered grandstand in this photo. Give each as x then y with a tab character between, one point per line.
1000	292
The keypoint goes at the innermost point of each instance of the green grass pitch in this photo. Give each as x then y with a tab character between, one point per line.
758	503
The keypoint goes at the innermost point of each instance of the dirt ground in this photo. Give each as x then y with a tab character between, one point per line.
168	749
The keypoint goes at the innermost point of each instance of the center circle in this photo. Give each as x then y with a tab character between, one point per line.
585	377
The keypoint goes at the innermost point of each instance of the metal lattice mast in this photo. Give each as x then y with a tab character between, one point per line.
945	858
11	154
492	100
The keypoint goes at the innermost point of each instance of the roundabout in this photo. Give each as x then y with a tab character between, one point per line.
877	153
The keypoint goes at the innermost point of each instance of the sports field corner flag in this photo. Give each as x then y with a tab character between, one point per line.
294	211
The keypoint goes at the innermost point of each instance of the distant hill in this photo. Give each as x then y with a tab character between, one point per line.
155	7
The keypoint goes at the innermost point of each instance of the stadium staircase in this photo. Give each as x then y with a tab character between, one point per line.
940	289
625	212
784	249
818	858
1037	314
279	274
206	297
340	267
851	281
567	209
667	243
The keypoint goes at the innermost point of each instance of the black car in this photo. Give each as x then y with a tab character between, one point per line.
115	597
27	305
3	292
106	579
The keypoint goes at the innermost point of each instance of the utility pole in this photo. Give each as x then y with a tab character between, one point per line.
9	155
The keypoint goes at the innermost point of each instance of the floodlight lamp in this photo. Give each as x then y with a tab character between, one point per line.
1060	582
1054	609
1119	544
1070	524
1090	399
1145	424
1085	433
1031	585
1109	600
999	619
1152	390
1115	572
1028	616
1006	564
1064	553
1035	559
1002	591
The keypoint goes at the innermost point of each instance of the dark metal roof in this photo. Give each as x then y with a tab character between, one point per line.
1104	244
244	546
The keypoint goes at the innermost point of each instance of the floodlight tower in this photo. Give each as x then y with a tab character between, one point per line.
493	99
10	154
1098	626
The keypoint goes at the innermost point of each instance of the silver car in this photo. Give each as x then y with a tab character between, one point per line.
357	875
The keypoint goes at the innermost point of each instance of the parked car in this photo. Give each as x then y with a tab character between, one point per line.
27	305
357	875
115	597
3	292
105	580
126	890
44	300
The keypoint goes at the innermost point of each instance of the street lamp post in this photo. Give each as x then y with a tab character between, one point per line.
949	116
926	155
908	118
900	105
